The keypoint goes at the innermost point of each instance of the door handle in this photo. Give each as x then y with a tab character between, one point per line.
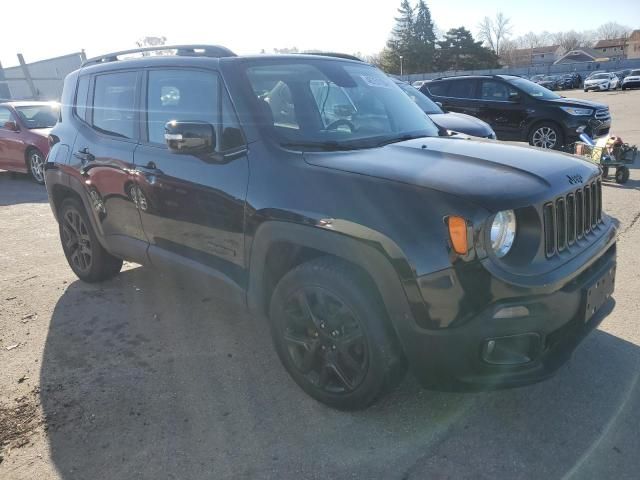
84	155
149	169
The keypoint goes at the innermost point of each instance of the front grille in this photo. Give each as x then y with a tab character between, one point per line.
603	114
571	217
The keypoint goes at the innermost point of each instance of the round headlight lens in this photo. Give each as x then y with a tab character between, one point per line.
503	232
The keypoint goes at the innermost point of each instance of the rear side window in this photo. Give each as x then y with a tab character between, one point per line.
462	89
81	98
113	104
438	89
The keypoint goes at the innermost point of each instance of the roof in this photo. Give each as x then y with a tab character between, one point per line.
580	55
613	42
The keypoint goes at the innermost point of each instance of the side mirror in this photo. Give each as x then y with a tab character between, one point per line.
190	137
13	126
514	97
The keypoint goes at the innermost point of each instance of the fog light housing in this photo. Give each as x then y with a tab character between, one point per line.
512	350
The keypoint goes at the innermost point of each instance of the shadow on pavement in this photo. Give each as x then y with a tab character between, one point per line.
145	378
18	188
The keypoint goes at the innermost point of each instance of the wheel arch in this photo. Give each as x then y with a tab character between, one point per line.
295	243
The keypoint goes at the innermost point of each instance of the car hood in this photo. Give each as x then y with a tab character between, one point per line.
43	132
494	175
574	102
459	122
596	80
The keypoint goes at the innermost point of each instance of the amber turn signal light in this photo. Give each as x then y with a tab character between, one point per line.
458	235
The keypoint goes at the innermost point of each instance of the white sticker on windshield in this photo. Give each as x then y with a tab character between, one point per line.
375	81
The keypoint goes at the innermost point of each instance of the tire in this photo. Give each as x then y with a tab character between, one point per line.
605	172
86	256
35	165
546	135
330	331
622	175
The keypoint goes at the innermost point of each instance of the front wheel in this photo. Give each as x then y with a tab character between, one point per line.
330	332
87	258
622	175
35	159
546	135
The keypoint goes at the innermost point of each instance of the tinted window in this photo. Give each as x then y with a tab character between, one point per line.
5	116
533	89
462	89
424	102
437	88
231	133
180	95
634	72
113	104
496	91
81	97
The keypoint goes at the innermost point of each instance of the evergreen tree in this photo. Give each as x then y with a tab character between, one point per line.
401	41
459	51
423	41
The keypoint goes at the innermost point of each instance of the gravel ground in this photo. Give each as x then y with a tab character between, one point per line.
141	377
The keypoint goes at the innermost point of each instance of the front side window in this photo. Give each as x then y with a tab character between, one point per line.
191	95
496	91
533	89
114	104
38	116
333	104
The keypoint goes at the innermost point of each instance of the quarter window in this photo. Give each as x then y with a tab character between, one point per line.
81	98
113	104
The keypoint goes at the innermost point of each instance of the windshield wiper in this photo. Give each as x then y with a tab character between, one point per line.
329	146
401	138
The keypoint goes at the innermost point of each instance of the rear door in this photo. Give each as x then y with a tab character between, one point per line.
192	206
103	158
11	144
505	115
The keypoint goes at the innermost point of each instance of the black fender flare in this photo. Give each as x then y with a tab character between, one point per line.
385	271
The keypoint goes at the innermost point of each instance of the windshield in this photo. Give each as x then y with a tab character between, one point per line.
38	116
537	78
534	89
600	76
420	99
634	73
334	104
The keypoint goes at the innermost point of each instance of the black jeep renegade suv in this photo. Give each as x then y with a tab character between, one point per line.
313	190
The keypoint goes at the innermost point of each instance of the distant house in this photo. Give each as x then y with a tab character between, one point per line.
538	56
579	55
633	45
613	49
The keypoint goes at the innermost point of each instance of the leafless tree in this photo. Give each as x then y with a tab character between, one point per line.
613	30
493	32
570	40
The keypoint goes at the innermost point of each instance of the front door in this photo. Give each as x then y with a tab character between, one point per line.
192	206
11	145
505	115
103	159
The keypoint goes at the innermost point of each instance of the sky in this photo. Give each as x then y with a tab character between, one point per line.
45	28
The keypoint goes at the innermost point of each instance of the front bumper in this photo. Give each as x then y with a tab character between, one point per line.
597	86
594	127
457	357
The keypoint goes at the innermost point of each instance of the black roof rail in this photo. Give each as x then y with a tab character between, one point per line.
215	51
345	56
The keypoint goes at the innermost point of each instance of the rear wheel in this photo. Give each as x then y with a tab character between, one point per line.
330	332
35	161
546	135
86	257
622	175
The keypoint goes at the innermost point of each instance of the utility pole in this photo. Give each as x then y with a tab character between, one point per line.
400	65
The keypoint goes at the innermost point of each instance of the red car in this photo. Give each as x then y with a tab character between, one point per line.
24	131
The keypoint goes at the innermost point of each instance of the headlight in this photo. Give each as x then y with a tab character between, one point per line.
503	232
582	112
